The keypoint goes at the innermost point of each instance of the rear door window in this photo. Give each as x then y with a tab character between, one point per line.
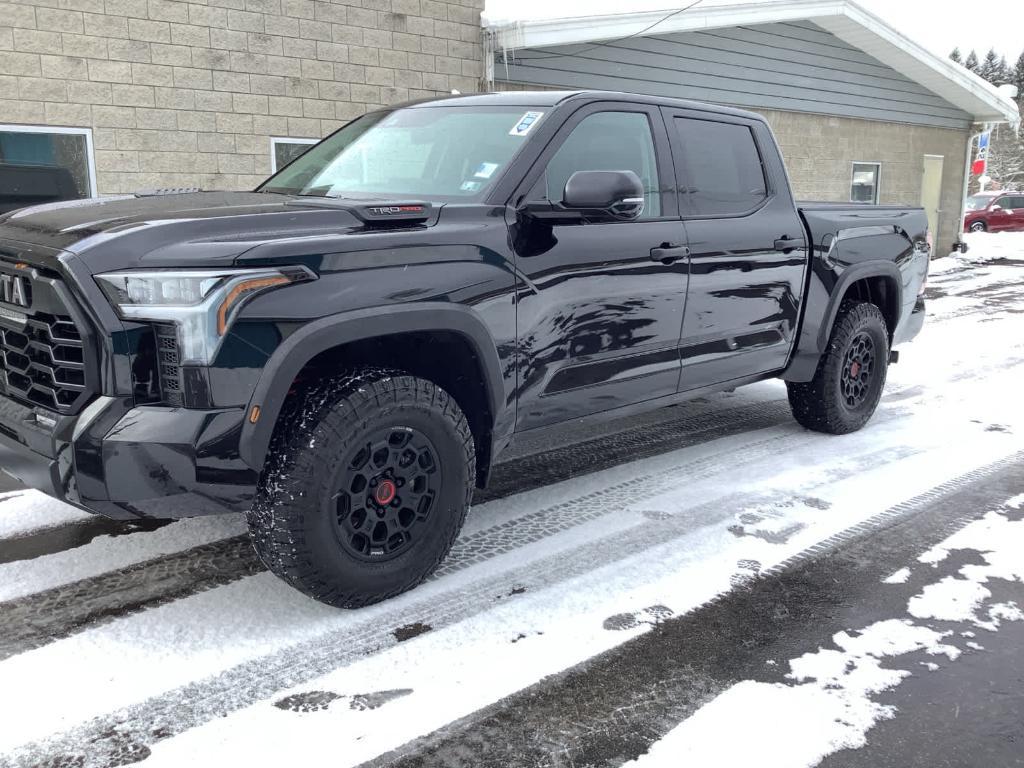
722	173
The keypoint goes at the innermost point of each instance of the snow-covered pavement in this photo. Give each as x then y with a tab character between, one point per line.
171	646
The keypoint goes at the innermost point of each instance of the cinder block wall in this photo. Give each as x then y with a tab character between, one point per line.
189	94
820	150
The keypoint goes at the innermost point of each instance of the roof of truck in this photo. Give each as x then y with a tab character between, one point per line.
554	98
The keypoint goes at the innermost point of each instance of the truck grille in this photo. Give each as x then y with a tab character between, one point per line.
44	362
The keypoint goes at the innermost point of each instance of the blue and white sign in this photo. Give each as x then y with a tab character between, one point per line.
525	124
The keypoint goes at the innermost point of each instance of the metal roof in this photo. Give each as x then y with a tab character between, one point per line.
845	19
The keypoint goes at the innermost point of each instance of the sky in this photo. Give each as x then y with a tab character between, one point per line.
939	25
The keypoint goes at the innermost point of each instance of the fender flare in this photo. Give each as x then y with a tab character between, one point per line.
850	276
328	332
810	345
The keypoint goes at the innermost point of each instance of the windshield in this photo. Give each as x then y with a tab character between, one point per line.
978	202
431	153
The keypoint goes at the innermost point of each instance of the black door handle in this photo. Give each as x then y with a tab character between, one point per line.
787	244
668	254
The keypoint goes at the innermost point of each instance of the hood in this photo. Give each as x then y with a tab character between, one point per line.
174	229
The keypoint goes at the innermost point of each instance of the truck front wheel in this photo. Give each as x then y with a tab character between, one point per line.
848	384
368	481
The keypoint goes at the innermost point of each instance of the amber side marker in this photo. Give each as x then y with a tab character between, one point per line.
254	414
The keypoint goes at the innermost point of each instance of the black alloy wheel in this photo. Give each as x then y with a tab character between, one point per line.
855	380
386	491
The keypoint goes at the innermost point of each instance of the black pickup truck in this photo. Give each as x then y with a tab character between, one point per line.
343	353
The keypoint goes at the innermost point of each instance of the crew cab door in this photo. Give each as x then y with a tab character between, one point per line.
747	248
601	303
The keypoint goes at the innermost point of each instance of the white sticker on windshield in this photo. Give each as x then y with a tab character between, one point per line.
470	186
525	123
486	170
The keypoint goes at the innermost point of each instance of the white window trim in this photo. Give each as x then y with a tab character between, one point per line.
878	177
275	140
90	154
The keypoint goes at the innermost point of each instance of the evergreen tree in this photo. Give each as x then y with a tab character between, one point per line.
1005	73
1017	77
955	56
1006	157
972	61
989	68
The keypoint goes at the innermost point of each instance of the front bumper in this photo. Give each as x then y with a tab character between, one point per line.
127	462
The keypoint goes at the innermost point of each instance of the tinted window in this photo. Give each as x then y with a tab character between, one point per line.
41	167
722	171
608	141
1018	202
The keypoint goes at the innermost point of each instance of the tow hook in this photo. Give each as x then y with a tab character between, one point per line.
894	356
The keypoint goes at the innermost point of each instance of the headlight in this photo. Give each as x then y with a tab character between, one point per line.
202	303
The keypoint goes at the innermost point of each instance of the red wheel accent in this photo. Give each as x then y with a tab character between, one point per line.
385	492
854	370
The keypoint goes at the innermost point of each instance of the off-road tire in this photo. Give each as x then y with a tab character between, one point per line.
820	404
293	523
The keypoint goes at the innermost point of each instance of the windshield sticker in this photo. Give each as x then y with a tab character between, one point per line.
470	186
525	123
486	170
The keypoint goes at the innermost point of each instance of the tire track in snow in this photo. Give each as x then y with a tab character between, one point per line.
39	618
61	538
631	696
103	741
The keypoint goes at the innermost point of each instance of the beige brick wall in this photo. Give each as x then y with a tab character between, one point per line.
189	93
819	152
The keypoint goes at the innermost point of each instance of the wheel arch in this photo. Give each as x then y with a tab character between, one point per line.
318	339
878	283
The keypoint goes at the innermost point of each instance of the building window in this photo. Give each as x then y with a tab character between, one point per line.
40	164
283	151
864	188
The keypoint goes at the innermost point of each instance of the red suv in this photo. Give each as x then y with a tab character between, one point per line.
995	212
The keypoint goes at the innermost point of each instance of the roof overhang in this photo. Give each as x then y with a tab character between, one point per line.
843	18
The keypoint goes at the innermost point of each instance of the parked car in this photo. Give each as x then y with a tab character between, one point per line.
343	353
995	212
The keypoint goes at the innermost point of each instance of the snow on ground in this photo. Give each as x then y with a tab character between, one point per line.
636	543
982	249
831	704
104	553
26	511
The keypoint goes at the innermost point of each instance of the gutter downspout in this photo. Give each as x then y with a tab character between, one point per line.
960	245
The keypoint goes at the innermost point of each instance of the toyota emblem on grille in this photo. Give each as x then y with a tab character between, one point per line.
14	290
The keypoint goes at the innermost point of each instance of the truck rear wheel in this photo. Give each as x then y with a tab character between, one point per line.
848	384
366	486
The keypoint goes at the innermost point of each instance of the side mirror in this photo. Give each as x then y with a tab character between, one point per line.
612	194
997	207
